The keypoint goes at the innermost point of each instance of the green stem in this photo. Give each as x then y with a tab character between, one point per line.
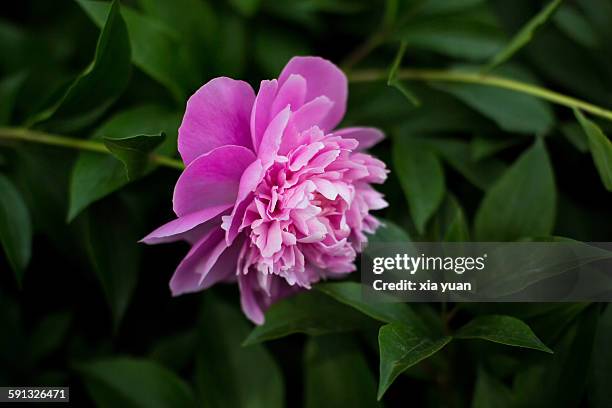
484	79
34	136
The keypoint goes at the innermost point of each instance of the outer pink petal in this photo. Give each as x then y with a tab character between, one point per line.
366	136
260	116
250	298
217	114
322	78
182	227
291	93
211	180
208	262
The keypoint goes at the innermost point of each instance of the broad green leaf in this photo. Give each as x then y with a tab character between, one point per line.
559	380
512	111
457	154
522	202
576	26
337	374
524	35
95	175
422	178
156	49
15	228
99	85
350	293
502	329
394	81
600	392
131	382
402	346
601	149
227	374
484	147
472	34
450	224
9	88
312	313
389	232
111	235
490	392
133	151
246	7
575	135
193	20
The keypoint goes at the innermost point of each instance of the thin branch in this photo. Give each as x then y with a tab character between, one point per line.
435	75
35	136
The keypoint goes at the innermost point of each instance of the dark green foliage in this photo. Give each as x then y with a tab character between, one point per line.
485	142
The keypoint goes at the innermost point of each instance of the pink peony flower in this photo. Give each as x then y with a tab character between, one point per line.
272	196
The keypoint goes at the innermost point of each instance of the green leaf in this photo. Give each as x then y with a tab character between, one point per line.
337	374
245	7
575	135
559	380
402	346
576	26
450	224
472	34
601	149
15	228
421	177
99	85
312	313
600	393
9	89
524	35
389	232
394	81
95	176
133	151
111	235
228	375
131	382
457	154
502	329
156	49
490	392
484	147
522	202
193	20
512	111
350	293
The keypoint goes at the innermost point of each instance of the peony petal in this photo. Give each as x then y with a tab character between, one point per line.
272	137
366	136
250	298
260	116
312	113
322	78
291	93
182	227
251	177
217	114
211	180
